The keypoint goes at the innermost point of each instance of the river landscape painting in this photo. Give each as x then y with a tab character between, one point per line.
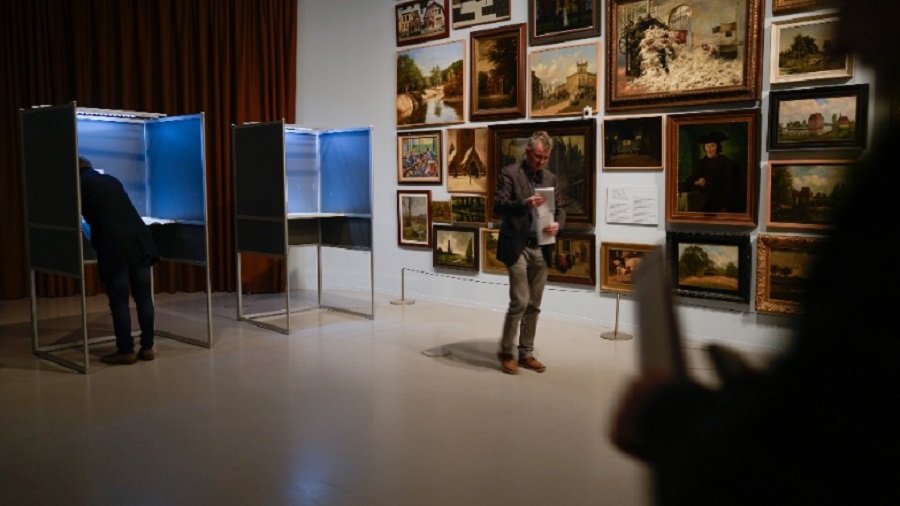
430	87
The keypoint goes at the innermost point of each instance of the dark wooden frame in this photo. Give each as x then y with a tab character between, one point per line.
594	29
522	131
801	225
786	6
860	92
456	197
556	276
412	244
607	155
766	244
476	250
741	241
457	25
442	34
749	161
749	89
480	38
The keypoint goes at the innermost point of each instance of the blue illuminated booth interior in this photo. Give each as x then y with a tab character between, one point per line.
161	163
300	187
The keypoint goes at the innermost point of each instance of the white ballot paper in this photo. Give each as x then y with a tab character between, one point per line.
659	339
545	215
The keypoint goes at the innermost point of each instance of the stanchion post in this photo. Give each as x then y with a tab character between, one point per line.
402	301
615	335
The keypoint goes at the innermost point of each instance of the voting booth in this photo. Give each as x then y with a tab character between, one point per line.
161	163
299	187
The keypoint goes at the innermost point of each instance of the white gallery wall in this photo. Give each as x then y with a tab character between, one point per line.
346	78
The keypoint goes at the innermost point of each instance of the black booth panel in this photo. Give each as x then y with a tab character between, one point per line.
180	241
176	173
261	236
347	232
55	250
50	161
346	171
259	179
303	232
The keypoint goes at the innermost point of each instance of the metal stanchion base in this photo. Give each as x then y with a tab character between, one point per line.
403	302
616	336
440	351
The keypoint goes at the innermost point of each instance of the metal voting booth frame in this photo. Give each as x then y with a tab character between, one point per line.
162	164
296	186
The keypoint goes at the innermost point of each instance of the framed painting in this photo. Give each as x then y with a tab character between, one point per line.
684	52
711	266
467	157
805	194
564	80
572	159
784	266
552	21
712	167
573	259
498	73
786	6
468	209
834	117
430	85
440	211
414	218
489	262
455	248
804	49
468	13
618	261
634	143
419	21
419	157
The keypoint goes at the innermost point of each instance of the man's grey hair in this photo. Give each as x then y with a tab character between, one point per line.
541	137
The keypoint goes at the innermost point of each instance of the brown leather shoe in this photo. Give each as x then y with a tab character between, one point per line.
146	354
532	364
508	363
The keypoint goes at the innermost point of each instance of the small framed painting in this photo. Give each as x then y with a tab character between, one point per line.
564	80
468	209
806	194
419	21
618	261
414	218
467	160
455	248
419	157
710	266
497	80
805	49
558	21
440	211
634	143
573	259
834	117
786	6
784	266
489	262
468	13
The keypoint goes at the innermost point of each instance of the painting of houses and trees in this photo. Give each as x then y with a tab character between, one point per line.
422	20
833	117
806	194
564	80
715	266
430	85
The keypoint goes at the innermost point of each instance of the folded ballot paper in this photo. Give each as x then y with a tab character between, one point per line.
546	215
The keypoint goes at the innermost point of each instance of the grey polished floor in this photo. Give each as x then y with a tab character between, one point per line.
410	408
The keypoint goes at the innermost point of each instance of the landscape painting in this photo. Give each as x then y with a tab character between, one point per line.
440	211
498	73
430	84
468	209
455	247
715	266
489	262
564	80
806	194
552	21
467	157
817	118
633	143
414	223
806	49
784	268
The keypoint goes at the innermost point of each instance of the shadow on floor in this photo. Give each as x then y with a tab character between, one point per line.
471	353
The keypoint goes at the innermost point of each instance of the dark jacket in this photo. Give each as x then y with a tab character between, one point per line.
513	187
118	233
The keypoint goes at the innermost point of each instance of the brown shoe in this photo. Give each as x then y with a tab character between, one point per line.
146	354
508	363
533	364
119	358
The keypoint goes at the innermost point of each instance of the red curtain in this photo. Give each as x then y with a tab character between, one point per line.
234	60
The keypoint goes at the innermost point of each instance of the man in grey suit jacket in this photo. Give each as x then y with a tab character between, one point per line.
526	261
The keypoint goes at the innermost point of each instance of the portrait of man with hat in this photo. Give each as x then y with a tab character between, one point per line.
713	182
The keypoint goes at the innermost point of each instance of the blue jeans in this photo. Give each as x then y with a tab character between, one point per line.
527	278
138	279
